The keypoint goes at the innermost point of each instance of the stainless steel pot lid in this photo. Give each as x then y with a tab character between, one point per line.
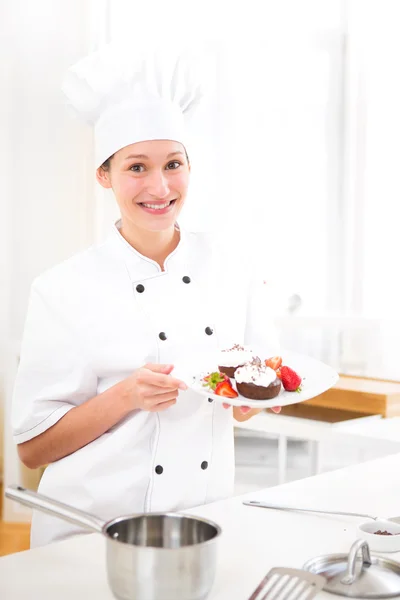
357	574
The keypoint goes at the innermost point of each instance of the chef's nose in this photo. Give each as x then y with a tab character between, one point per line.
158	185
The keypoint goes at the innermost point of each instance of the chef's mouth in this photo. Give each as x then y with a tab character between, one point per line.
157	207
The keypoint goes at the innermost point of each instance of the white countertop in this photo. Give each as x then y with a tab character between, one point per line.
253	539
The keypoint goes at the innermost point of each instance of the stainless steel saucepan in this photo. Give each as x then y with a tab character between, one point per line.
154	556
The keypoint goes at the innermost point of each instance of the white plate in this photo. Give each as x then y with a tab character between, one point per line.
317	378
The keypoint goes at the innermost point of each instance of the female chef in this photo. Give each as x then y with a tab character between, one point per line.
96	398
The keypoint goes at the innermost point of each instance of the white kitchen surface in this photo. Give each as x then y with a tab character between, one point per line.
253	540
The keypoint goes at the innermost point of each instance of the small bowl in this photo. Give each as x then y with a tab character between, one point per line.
378	542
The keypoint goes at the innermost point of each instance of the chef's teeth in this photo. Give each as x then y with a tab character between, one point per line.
157	206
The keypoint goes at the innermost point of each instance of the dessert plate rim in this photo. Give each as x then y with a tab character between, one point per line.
317	376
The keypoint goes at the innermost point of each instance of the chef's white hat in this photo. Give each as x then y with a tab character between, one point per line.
131	97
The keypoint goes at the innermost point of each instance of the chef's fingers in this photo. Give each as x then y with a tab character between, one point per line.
276	409
152	391
149	390
162	406
245	409
161	380
225	405
156	368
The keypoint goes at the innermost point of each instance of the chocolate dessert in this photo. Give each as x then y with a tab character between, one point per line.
229	371
257	381
258	392
234	357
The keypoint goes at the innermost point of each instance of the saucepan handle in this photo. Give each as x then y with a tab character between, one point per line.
54	507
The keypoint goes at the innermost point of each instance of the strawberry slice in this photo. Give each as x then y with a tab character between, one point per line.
291	381
220	384
274	362
278	373
225	389
213	379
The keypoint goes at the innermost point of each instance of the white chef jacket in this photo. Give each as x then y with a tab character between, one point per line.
92	321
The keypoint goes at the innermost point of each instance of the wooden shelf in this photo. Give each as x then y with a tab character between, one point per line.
361	395
14	537
325	414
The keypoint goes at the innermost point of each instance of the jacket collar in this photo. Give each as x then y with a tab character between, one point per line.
140	266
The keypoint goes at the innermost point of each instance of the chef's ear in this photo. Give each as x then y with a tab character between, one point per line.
103	174
103	177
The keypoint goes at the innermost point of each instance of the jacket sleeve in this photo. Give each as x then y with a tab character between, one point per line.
53	375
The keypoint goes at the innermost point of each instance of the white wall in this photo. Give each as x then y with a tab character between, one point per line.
46	198
4	221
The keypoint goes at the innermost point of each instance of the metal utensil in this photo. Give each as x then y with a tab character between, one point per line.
358	574
314	510
178	551
284	583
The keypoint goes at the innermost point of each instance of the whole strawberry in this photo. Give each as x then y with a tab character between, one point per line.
291	381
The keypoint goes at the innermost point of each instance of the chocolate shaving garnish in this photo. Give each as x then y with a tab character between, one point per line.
235	348
255	362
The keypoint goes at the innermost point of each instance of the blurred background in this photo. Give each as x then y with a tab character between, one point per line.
297	157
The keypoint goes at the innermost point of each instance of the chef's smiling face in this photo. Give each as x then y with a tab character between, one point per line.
150	182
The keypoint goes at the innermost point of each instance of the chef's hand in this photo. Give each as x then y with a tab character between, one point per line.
152	388
243	413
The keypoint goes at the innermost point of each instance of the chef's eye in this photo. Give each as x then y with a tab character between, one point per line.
173	165
136	168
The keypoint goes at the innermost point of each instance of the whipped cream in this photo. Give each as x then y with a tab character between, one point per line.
255	372
235	356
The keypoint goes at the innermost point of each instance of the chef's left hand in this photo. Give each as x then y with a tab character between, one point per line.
243	413
246	409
